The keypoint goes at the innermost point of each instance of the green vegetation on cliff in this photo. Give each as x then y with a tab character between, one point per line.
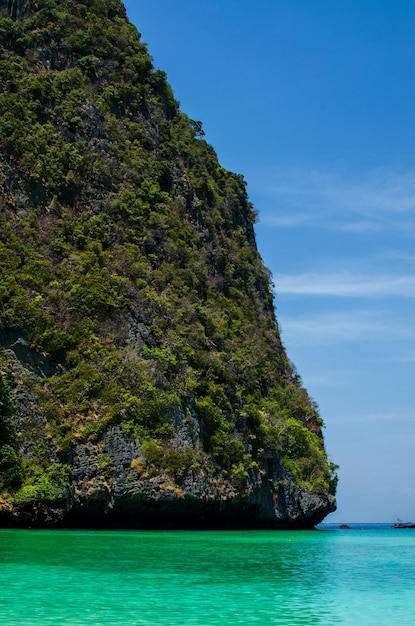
128	259
11	473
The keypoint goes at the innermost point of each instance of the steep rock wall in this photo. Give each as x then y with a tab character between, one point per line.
112	485
146	377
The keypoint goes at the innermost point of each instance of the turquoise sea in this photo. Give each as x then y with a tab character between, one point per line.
361	576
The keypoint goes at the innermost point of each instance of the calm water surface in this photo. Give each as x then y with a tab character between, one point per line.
361	576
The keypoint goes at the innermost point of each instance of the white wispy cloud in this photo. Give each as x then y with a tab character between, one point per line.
345	284
330	200
330	327
406	359
394	416
406	490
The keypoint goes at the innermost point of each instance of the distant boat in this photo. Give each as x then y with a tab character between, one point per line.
400	524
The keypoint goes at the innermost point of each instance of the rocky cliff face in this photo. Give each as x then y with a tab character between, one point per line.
144	381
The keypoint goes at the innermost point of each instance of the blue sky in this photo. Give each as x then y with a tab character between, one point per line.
313	102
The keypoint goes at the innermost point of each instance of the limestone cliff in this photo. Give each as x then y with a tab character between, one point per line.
144	381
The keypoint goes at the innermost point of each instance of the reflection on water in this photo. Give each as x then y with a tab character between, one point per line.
202	578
